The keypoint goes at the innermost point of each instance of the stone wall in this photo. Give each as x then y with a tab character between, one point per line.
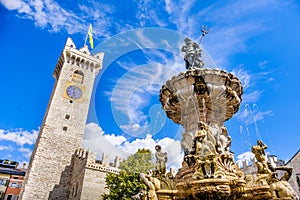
88	177
295	163
80	158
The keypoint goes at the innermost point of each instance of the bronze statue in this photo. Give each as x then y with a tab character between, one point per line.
192	54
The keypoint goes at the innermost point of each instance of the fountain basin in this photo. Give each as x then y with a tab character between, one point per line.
209	95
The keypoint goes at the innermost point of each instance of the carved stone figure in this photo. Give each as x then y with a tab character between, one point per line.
161	159
205	152
223	141
280	188
200	86
138	196
260	155
153	184
204	141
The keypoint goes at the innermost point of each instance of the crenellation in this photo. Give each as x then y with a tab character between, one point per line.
88	176
105	159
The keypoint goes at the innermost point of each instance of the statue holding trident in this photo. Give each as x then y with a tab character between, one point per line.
193	51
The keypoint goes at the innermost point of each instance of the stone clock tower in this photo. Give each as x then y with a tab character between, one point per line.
50	169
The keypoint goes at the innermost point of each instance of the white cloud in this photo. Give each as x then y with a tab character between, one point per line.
26	152
180	15
113	145
93	130
5	148
50	15
19	136
246	156
148	13
94	139
97	10
18	143
115	140
130	127
18	5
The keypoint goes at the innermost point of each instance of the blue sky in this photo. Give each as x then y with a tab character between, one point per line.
258	41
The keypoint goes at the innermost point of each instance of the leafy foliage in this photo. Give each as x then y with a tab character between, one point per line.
140	162
128	183
123	186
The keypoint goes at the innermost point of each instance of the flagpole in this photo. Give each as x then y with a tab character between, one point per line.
86	39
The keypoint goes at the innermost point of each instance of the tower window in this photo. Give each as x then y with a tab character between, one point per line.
78	77
65	128
67	116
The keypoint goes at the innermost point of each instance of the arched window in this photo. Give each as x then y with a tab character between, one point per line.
78	77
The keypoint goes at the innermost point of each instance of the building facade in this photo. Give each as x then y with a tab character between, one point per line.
11	179
294	162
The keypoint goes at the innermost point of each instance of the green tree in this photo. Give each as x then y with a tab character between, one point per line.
140	162
128	183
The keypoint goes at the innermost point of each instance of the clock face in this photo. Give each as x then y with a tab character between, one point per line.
74	92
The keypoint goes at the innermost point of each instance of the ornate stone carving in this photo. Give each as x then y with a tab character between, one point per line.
280	188
153	184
